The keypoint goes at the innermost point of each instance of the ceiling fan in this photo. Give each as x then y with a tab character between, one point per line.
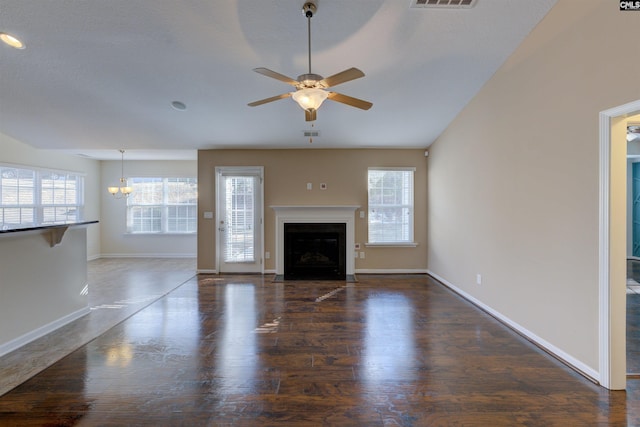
310	90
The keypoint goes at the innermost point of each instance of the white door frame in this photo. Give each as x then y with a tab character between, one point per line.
240	170
611	327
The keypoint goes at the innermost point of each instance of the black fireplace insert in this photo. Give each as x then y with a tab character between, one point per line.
315	251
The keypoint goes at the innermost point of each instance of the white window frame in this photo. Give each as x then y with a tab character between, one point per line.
74	208
408	204
164	205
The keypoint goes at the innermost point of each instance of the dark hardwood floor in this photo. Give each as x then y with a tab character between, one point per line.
243	351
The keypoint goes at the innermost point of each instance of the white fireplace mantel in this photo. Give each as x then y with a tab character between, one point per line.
343	214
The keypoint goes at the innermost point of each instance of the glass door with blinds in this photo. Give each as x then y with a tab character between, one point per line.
239	219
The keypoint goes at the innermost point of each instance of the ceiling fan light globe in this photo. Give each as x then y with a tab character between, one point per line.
309	98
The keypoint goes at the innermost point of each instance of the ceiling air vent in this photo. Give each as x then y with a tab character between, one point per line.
457	4
311	133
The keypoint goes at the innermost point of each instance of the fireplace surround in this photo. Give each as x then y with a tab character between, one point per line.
316	214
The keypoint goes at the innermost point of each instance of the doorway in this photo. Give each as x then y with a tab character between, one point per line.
612	245
239	219
633	248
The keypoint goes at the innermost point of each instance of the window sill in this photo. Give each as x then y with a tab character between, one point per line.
393	245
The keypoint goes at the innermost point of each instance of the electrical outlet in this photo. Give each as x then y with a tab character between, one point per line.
309	186
361	255
479	279
267	255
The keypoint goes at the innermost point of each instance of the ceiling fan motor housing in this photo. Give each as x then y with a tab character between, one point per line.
309	80
309	8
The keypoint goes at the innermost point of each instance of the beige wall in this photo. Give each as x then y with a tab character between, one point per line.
286	173
514	180
16	152
41	287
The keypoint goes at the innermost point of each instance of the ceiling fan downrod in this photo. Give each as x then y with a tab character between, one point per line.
309	9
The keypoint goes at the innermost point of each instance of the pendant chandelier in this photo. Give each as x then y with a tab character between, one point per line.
122	190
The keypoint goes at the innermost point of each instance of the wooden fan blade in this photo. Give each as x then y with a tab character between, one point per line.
273	98
341	77
354	102
269	73
310	115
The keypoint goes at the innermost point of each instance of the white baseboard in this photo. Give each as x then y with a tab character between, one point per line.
208	271
391	271
576	364
148	255
16	343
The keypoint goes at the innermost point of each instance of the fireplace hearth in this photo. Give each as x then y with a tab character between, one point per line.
315	251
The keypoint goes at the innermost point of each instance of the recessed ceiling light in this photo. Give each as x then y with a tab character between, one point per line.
180	106
12	41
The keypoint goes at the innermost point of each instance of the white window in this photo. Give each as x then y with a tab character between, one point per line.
390	216
162	205
33	197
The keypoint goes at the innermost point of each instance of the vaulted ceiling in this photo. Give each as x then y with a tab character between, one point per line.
97	76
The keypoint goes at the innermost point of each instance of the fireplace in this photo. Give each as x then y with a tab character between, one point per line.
315	251
307	217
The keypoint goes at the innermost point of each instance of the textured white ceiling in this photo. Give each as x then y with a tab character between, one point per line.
97	76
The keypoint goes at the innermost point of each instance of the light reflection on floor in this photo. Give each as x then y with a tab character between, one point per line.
237	356
389	338
169	327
